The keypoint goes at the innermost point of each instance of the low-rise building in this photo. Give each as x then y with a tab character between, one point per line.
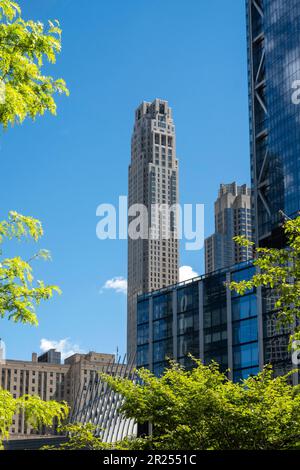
49	380
203	317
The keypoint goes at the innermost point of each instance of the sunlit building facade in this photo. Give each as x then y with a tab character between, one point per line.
233	217
153	257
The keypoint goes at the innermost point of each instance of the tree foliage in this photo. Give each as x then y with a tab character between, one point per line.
201	409
80	437
25	91
24	45
18	300
18	295
279	270
37	412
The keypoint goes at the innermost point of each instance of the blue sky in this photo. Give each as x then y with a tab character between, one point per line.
116	54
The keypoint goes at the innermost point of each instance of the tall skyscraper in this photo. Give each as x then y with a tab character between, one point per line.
153	182
233	216
273	35
274	68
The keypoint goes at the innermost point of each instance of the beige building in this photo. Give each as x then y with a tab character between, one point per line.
233	216
49	380
153	182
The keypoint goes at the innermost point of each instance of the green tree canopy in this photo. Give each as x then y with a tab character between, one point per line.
25	91
18	295
24	45
201	409
18	300
37	412
80	437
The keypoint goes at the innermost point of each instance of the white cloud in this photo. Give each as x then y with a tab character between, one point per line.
63	345
186	273
119	284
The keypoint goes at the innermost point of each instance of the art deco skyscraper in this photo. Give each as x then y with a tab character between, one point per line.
274	73
152	180
233	216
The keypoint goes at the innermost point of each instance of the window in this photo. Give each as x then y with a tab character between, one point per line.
245	356
187	322
188	344
244	307
143	334
187	298
244	373
162	350
162	306
143	355
245	331
161	108
162	328
143	311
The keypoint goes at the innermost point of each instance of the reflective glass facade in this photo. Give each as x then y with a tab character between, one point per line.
215	320
187	323
162	329
143	333
244	329
203	318
274	68
275	338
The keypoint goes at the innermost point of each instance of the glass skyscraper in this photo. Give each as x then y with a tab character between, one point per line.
273	28
273	35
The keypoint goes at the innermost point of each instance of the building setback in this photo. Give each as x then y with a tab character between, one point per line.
233	216
152	180
50	381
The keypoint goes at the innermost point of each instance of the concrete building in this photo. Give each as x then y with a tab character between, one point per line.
51	381
153	182
233	216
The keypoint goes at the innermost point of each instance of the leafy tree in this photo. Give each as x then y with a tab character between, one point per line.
279	270
18	299
18	295
24	90
37	412
201	409
80	437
